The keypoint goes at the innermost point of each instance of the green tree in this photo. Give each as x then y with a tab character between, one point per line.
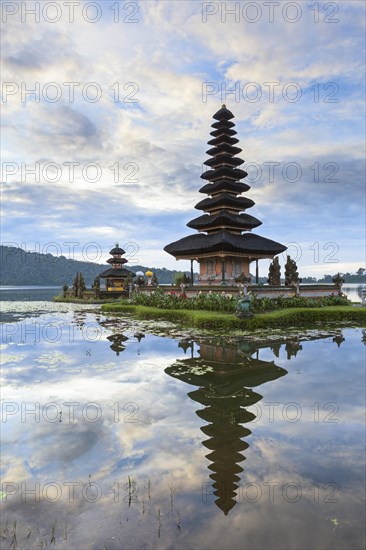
181	278
96	286
75	285
82	285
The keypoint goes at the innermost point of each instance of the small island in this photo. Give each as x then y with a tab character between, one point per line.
223	295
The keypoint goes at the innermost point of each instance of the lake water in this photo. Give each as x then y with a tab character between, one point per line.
138	435
29	293
353	291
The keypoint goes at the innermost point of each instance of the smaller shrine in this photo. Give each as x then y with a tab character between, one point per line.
117	277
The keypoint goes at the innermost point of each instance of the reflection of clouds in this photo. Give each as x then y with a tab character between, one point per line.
54	360
59	451
8	358
170	57
64	446
339	368
165	447
13	468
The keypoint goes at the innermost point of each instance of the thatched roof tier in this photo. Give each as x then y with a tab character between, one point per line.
224	220
226	201
224	242
117	250
117	261
224	172
223	124
224	148
223	160
223	139
116	273
223	114
222	186
223	132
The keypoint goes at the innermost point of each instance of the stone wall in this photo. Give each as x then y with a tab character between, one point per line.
261	291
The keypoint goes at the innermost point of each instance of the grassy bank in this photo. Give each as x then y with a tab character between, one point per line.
86	300
215	320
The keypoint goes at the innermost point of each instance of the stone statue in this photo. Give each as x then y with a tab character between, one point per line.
291	273
274	275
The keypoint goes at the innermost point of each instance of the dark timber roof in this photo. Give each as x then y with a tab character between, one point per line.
226	131
245	222
228	160
236	187
224	148
223	124
223	139
224	200
224	241
114	273
223	114
117	261
224	172
117	250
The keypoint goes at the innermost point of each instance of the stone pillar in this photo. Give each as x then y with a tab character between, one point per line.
192	281
246	266
223	283
256	272
202	271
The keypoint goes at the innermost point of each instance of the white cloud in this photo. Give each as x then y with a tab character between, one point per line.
167	56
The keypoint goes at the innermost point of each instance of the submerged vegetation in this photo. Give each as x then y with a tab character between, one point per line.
225	321
88	298
217	310
153	510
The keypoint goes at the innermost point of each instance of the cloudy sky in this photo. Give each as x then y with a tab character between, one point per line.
107	108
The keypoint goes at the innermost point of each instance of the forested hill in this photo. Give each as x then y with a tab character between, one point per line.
31	268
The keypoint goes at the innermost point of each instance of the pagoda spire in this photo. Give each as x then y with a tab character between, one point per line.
224	229
224	188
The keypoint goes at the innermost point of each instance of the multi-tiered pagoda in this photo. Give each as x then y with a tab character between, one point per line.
224	245
117	276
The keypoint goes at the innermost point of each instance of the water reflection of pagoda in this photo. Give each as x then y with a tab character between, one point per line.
224	376
117	342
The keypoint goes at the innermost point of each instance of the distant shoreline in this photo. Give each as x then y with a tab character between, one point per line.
15	288
27	287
